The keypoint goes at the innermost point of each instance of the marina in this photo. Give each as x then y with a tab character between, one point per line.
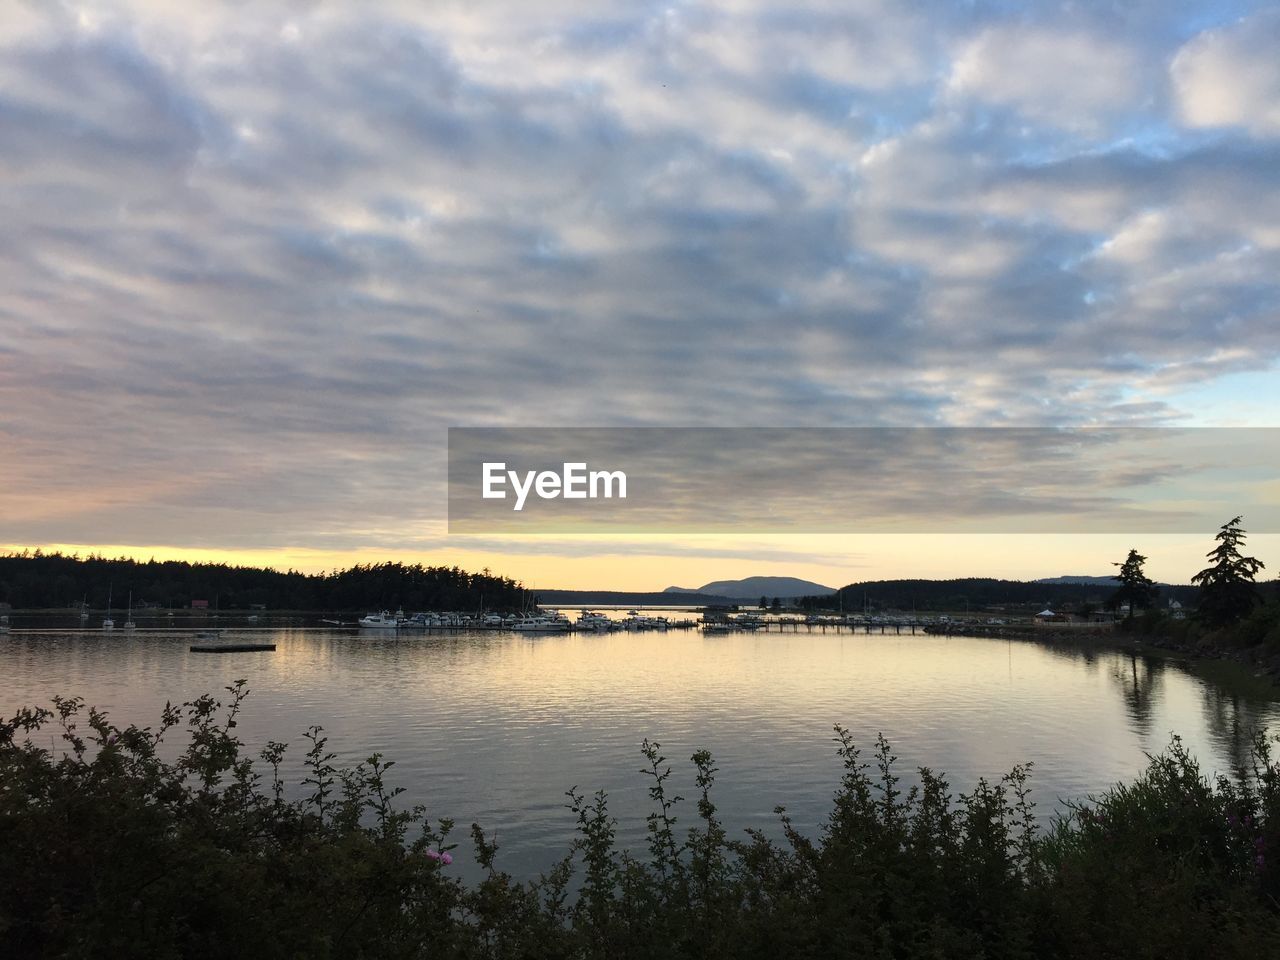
540	621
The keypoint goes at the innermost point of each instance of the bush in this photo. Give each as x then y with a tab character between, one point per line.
110	851
1260	628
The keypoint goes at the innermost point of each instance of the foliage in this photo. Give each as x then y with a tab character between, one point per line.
110	851
1227	588
1150	622
35	579
1260	628
1136	588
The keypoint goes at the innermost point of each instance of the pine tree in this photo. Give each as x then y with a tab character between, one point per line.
1227	589
1136	588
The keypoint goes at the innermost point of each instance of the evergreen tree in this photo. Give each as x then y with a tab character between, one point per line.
1227	588
1136	588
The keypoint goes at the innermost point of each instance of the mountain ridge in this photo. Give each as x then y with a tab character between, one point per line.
752	588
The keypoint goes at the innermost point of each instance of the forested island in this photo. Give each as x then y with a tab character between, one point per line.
37	580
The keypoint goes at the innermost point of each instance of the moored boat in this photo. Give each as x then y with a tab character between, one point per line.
590	621
550	622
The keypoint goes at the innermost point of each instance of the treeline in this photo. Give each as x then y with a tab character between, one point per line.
977	594
37	580
112	850
1233	610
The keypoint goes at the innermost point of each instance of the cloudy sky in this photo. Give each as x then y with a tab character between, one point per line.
255	258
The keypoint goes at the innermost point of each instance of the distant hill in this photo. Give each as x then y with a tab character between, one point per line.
1108	582
1095	581
624	598
753	588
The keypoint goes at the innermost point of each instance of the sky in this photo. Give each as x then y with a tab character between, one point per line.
256	258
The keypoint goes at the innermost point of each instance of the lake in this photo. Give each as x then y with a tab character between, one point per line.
494	727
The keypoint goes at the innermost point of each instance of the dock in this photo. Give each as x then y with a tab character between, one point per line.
231	647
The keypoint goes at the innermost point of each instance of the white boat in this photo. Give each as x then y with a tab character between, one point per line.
107	622
542	624
128	623
592	622
379	621
4	623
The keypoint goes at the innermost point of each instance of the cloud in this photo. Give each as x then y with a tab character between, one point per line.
1064	76
1230	76
256	258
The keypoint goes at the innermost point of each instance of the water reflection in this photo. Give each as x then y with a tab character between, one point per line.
1233	718
1139	680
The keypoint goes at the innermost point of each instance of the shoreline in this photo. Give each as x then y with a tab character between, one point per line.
1256	661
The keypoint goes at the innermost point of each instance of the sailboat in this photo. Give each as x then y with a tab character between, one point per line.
84	609
107	622
129	624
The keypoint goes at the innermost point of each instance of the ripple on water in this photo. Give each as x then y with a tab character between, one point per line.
494	728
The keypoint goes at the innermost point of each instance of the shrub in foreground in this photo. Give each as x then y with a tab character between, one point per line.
107	850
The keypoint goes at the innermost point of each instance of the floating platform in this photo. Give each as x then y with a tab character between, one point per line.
230	647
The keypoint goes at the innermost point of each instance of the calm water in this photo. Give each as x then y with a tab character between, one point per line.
494	727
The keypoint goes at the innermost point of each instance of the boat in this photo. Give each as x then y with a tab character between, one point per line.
551	622
107	622
715	628
537	625
4	623
84	609
128	623
379	621
590	621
